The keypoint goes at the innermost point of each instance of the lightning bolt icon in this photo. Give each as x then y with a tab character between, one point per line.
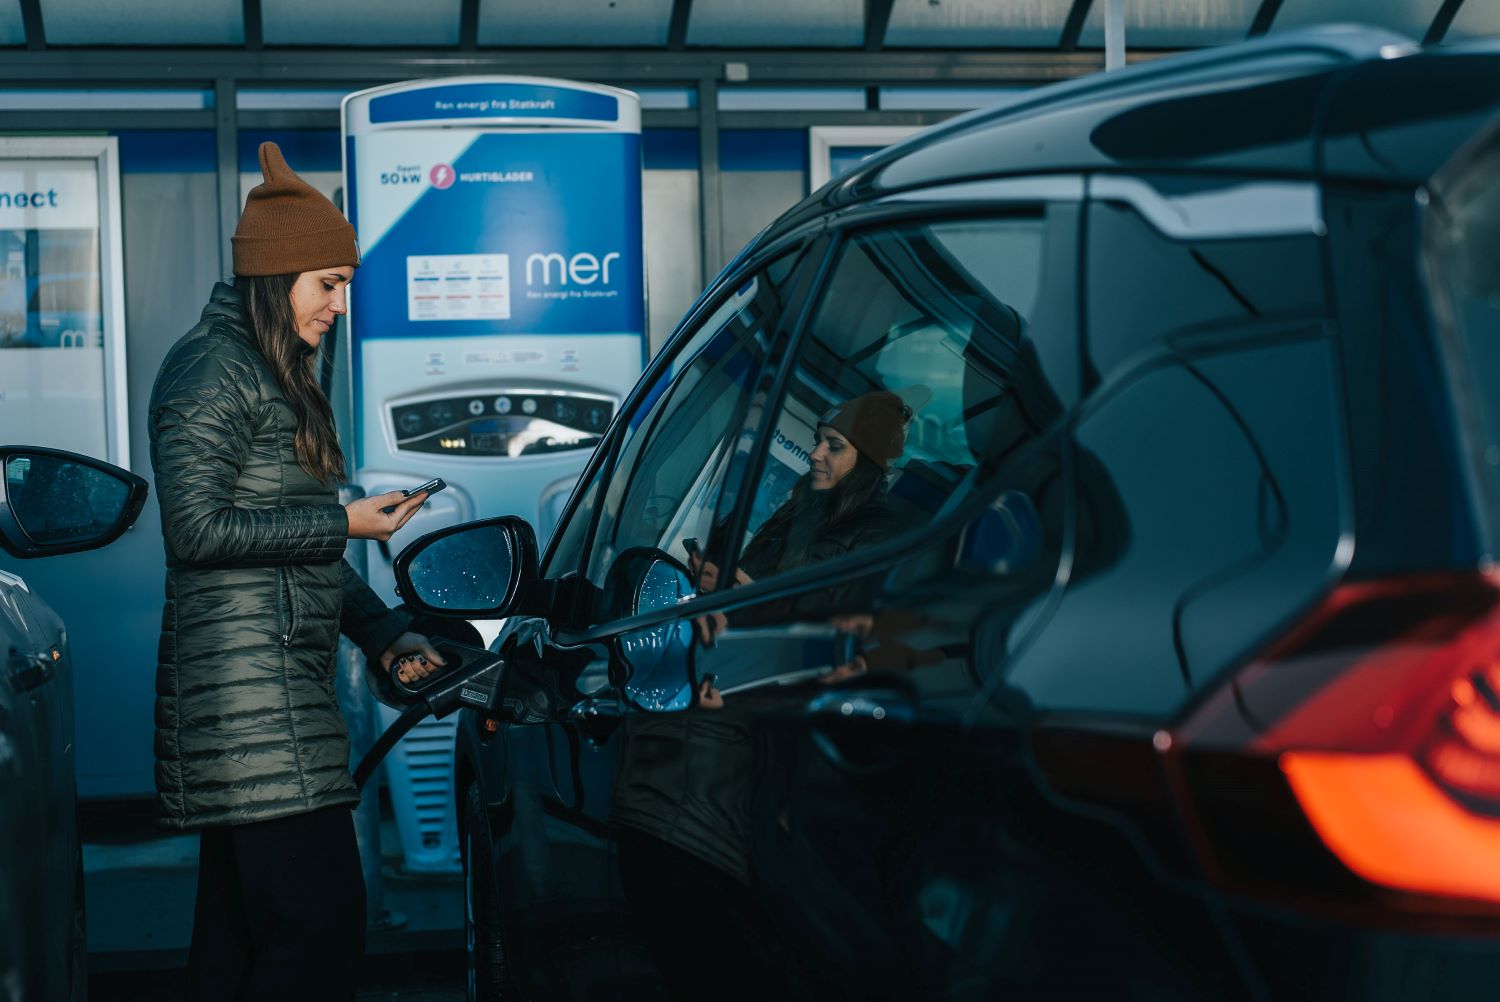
442	176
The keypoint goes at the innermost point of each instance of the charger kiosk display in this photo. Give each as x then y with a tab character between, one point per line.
496	322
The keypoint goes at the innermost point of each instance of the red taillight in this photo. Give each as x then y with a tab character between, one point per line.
1381	714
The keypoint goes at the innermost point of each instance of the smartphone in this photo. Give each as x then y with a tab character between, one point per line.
431	487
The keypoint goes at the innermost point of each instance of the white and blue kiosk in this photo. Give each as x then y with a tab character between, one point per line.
497	320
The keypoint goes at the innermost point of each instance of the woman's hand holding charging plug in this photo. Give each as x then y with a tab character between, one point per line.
414	656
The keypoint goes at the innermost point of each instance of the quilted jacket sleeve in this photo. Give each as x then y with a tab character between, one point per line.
365	618
203	410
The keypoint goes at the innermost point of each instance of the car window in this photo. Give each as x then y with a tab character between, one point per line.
922	371
1187	254
679	445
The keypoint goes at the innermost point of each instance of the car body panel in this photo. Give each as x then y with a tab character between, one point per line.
944	763
41	927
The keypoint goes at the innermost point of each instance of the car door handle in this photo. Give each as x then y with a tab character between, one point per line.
874	705
27	671
596	718
863	730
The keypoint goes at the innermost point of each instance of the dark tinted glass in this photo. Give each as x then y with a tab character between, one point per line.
922	372
678	446
568	554
58	501
573	534
1228	472
1144	285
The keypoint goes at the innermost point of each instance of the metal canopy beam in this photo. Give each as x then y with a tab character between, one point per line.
255	33
877	22
31	20
1264	18
109	119
227	148
710	181
187	67
1073	26
468	25
677	28
1440	24
271	120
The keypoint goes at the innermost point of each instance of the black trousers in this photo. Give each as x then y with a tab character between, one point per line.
280	913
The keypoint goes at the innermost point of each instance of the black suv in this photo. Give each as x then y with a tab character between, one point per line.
51	503
1159	656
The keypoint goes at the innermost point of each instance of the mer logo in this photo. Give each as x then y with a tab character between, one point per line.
580	269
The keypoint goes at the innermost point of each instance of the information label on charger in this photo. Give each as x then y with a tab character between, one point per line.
458	287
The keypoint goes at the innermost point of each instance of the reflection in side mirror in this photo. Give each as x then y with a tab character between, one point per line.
468	570
59	502
473	570
56	500
657	656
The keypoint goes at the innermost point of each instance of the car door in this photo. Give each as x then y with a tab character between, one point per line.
861	756
26	730
878	741
808	806
36	716
51	502
678	452
786	747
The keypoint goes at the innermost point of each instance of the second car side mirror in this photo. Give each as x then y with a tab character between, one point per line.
477	570
53	501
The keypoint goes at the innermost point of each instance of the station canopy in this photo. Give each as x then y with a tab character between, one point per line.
869	25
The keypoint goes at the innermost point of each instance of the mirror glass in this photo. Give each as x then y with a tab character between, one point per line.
657	657
466	570
55	500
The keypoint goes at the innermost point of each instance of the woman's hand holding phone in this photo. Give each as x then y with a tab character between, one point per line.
379	516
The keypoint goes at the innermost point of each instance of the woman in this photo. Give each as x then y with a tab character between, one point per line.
250	747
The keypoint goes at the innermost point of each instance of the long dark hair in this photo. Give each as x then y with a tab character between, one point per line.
859	487
268	300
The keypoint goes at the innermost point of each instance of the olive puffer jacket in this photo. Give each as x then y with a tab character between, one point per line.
247	723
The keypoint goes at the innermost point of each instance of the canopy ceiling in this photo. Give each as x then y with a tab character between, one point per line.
869	25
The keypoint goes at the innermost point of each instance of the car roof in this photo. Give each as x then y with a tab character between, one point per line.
1337	102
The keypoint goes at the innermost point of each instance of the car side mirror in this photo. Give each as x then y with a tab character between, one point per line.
477	570
656	658
53	501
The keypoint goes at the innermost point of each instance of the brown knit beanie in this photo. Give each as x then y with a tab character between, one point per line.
875	423
288	226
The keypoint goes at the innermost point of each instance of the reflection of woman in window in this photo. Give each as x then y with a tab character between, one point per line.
839	505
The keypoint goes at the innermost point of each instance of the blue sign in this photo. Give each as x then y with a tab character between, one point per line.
493	100
515	233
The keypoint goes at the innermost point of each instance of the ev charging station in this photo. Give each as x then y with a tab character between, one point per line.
496	322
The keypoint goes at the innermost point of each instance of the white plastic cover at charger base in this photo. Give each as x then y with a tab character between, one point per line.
419	771
497	321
